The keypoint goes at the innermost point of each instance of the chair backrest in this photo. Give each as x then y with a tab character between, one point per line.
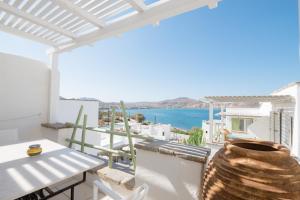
9	136
140	193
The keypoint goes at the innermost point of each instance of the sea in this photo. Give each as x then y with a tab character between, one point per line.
179	118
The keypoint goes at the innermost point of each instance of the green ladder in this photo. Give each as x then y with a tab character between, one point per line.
110	151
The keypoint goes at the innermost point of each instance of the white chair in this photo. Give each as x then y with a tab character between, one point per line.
9	136
138	194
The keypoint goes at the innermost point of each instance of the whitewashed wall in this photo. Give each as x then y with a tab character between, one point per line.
265	108
24	91
158	131
68	111
168	177
261	128
294	90
249	111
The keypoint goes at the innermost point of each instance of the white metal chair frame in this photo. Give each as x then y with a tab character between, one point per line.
138	194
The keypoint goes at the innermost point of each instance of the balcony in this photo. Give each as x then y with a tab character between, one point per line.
52	148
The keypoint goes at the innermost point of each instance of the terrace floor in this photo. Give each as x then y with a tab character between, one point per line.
85	191
82	192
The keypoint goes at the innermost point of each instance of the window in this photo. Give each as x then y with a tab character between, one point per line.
241	124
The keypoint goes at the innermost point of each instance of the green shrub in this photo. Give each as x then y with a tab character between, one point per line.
179	131
139	117
195	138
146	123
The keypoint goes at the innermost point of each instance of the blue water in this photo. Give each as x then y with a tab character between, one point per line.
179	118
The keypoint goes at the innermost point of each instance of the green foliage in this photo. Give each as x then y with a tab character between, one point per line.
146	123
179	131
105	116
195	138
139	117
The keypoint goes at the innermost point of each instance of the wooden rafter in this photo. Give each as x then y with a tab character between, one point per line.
153	14
35	20
80	12
66	25
138	5
23	34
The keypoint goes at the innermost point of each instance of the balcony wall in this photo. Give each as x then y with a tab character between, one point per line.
172	171
24	92
68	111
294	91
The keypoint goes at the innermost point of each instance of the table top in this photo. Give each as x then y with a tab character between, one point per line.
21	174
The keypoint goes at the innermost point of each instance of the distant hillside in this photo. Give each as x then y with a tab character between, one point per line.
182	102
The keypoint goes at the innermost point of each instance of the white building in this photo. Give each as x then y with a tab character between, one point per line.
157	131
272	118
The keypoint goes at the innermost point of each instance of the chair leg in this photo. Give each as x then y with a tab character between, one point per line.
95	192
72	193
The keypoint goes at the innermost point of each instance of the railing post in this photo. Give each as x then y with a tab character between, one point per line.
83	133
211	122
54	88
76	125
128	134
111	141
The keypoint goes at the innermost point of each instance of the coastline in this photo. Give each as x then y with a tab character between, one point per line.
180	118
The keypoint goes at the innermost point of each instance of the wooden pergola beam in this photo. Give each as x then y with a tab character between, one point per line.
23	34
80	12
35	20
138	5
155	12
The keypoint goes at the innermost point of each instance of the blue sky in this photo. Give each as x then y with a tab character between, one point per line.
243	47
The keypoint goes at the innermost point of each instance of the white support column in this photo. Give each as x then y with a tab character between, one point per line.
296	131
222	116
54	88
211	122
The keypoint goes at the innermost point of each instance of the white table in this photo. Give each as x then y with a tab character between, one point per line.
21	175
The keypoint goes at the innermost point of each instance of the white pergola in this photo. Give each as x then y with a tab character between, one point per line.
250	99
223	100
68	24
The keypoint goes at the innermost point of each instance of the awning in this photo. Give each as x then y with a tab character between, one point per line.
68	24
240	114
250	99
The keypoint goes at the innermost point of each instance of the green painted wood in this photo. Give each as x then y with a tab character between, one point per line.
128	135
112	151
76	125
111	139
83	133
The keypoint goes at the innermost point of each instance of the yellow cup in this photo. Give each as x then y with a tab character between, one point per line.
34	150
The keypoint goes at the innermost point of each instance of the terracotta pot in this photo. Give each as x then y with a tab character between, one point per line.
245	169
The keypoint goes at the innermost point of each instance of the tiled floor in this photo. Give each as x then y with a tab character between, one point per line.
83	191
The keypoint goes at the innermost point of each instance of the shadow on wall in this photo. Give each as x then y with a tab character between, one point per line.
24	86
169	177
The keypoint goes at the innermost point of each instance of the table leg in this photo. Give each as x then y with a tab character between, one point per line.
41	196
72	193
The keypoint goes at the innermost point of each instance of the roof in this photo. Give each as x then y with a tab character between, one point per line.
250	99
286	86
187	152
67	24
240	114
